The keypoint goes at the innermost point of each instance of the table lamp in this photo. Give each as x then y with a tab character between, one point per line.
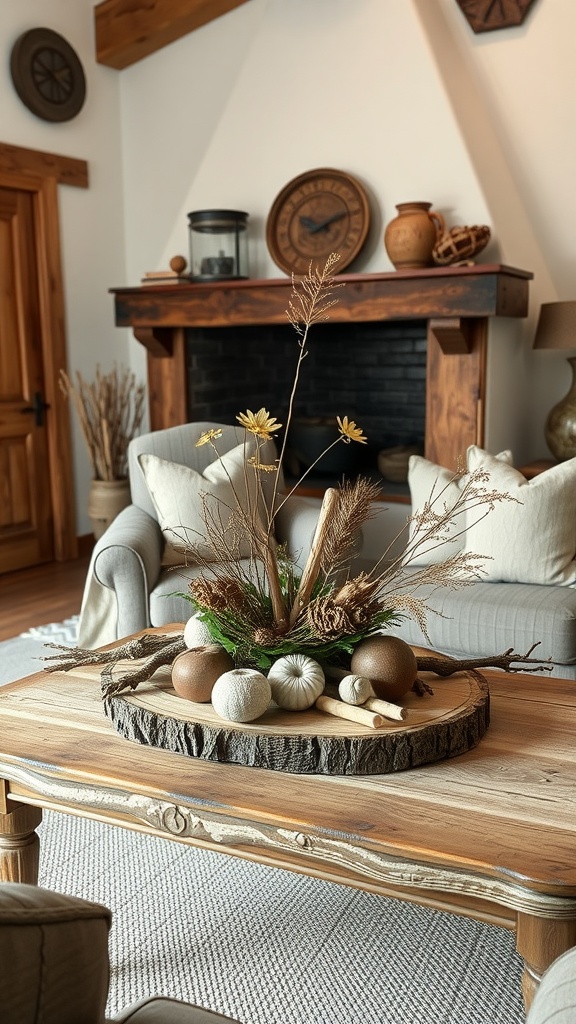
557	329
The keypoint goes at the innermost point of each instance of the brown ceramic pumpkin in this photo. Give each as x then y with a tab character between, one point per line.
194	672
388	662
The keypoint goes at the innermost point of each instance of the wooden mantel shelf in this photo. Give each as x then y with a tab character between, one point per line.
477	291
456	302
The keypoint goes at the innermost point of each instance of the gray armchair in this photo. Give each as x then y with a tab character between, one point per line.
54	966
127	588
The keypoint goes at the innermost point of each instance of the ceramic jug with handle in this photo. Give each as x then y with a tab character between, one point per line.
410	238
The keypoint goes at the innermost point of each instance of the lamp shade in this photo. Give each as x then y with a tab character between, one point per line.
556	325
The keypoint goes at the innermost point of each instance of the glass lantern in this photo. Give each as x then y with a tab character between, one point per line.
218	245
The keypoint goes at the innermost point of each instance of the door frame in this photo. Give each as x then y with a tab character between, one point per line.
39	174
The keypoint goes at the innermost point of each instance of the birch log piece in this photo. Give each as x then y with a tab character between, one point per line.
383	707
350	712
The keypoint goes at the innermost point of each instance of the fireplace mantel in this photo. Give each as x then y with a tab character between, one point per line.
457	303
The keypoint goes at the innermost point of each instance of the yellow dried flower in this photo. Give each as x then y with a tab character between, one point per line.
207	437
260	423
350	432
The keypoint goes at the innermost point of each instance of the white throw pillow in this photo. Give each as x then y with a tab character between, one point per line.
182	497
531	539
431	483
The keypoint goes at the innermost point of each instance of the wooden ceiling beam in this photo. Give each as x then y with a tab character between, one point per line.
128	30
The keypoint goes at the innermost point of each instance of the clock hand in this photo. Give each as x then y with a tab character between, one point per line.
307	222
325	223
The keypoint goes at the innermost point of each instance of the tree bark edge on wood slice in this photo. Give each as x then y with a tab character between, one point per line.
362	751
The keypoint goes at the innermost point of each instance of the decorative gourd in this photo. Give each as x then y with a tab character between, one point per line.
195	671
296	681
196	632
241	695
355	689
388	662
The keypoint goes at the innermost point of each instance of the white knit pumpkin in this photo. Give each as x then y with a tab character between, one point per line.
355	689
196	633
296	682
241	695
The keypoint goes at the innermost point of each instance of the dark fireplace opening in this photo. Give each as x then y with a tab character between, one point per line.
374	373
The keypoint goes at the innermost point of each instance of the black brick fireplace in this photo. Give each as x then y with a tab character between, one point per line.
375	373
436	355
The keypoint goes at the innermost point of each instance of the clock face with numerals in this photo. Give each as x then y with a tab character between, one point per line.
318	213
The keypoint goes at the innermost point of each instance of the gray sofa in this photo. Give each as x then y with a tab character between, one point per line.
485	618
128	589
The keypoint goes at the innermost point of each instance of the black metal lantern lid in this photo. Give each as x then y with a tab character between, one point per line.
218	220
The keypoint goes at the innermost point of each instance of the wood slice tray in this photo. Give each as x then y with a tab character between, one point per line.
448	723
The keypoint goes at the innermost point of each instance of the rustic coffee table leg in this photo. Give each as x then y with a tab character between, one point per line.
19	844
539	940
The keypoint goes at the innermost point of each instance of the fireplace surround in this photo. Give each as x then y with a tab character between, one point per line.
454	306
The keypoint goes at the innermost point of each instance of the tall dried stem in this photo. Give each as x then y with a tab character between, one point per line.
110	412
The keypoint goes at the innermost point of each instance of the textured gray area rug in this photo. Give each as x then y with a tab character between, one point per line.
23	654
268	946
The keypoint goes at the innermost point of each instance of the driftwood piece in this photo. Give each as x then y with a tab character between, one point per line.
151	650
393	712
443	665
137	647
112	685
312	567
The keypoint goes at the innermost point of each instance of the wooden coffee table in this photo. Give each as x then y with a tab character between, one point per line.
490	833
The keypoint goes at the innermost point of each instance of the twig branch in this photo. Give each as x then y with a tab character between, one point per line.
152	650
445	666
138	647
129	680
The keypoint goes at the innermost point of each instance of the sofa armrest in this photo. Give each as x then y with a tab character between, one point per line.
125	565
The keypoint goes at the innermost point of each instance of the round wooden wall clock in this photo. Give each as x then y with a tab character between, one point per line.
319	212
47	75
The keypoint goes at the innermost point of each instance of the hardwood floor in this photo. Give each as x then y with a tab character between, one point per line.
44	593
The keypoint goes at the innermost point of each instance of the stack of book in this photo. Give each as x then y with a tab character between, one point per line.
164	277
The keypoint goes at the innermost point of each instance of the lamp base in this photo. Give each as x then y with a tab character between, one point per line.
560	430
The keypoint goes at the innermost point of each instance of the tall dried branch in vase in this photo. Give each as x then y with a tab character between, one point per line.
110	410
269	608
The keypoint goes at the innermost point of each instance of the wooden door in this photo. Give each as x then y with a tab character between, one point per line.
26	524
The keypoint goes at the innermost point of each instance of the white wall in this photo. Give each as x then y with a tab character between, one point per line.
400	93
92	231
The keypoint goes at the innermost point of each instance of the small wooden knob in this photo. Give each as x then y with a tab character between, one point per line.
178	264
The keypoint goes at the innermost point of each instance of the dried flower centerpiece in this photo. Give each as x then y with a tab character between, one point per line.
110	410
271	629
268	609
